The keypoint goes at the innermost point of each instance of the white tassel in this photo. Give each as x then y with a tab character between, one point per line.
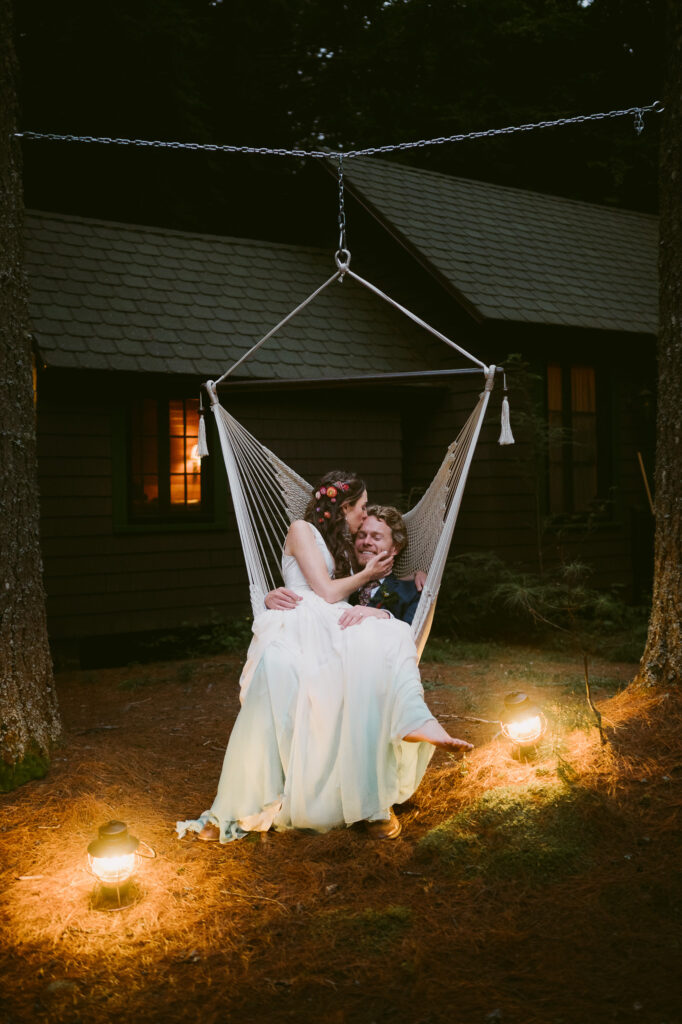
506	436
202	446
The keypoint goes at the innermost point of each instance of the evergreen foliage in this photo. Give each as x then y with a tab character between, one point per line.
482	597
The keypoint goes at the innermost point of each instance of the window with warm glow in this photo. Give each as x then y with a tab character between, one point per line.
185	464
167	480
572	419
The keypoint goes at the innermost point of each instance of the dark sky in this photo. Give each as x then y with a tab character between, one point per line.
283	73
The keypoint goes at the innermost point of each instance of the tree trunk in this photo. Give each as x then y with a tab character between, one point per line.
29	719
662	659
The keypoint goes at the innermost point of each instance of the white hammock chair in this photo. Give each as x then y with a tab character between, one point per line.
268	495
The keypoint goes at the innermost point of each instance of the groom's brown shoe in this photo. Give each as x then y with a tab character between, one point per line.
389	828
210	833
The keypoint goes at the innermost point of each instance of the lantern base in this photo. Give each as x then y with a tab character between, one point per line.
111	897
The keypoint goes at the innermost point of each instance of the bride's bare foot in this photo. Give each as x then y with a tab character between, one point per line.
433	732
210	833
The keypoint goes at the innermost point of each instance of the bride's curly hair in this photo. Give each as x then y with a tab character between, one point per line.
324	511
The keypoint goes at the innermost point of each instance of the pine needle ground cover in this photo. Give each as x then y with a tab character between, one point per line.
537	889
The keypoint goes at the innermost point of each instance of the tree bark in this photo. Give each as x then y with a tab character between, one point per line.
29	718
662	660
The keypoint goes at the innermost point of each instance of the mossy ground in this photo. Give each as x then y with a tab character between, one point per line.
532	833
34	765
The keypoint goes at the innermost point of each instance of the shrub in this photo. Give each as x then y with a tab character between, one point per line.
483	597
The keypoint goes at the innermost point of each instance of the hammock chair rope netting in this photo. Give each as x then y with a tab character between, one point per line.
268	495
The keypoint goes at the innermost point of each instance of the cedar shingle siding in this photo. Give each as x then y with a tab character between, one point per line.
100	581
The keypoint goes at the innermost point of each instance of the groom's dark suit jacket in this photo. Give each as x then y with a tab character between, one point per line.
399	597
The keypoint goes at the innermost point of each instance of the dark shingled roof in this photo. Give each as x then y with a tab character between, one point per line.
125	297
516	255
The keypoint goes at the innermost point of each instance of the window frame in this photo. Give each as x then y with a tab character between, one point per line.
601	507
214	516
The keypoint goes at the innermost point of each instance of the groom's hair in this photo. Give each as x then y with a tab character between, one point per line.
394	521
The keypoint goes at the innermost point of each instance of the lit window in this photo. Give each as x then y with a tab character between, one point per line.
166	474
185	464
572	419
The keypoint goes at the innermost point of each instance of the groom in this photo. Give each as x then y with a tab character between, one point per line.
383	530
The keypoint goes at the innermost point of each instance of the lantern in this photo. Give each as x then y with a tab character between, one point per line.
522	721
112	857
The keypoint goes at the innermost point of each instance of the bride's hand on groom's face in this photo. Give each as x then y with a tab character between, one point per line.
379	566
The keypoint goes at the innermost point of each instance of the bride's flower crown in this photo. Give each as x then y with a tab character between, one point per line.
329	491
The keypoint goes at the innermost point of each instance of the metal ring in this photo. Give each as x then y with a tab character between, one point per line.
342	264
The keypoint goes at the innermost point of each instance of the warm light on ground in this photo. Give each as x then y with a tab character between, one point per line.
333	927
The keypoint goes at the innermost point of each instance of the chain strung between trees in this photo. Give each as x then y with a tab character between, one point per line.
636	112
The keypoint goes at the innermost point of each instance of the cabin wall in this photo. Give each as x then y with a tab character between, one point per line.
504	508
101	581
98	581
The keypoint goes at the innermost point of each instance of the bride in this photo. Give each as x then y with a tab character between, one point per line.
333	728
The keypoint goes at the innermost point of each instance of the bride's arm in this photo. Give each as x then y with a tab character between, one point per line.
301	544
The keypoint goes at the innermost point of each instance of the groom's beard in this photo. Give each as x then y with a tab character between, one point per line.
361	559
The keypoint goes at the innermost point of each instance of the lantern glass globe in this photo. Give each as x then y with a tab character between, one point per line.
113	871
525	730
522	721
112	856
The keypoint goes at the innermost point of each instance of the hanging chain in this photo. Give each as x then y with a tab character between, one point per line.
342	211
636	112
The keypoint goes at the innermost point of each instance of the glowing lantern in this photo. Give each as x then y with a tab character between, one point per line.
522	721
112	856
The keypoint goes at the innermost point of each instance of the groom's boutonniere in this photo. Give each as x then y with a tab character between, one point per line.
385	598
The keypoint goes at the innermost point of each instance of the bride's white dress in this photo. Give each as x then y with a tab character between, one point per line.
318	740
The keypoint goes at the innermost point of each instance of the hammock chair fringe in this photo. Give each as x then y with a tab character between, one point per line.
202	444
506	436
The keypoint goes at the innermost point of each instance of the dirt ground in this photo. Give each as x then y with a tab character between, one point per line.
568	923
